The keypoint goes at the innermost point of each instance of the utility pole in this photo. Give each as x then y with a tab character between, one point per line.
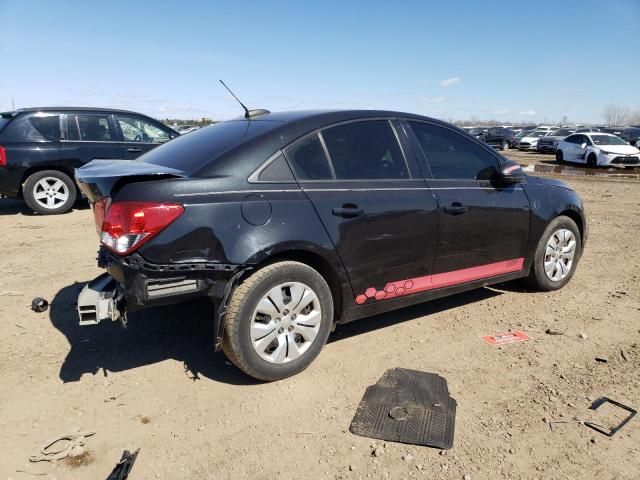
13	104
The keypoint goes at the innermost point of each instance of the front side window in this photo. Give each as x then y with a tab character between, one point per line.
366	150
454	156
89	128
140	131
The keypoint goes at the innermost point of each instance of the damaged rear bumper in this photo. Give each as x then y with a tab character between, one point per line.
131	283
100	299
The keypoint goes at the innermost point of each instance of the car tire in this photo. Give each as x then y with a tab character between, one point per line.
49	192
559	156
592	160
249	321
545	264
504	146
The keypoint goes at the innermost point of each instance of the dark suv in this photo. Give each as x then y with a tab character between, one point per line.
500	137
40	147
293	223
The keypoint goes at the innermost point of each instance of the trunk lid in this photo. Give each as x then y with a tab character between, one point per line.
99	178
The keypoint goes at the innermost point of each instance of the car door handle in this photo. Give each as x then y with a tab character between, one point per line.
456	208
134	149
348	210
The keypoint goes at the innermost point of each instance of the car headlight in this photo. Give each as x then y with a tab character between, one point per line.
604	152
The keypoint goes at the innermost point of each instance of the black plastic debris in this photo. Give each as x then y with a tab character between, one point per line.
39	305
407	406
124	466
610	432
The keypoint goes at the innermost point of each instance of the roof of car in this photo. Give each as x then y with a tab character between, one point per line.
65	109
296	115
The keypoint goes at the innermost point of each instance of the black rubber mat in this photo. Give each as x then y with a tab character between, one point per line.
407	406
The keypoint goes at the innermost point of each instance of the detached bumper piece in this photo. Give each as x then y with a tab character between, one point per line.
99	300
407	406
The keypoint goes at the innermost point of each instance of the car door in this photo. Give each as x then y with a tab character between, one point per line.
579	148
139	135
88	136
571	148
494	136
483	227
369	193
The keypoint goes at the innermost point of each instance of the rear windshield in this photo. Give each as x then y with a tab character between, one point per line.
198	148
562	132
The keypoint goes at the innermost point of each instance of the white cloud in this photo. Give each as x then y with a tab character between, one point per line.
449	81
500	112
433	99
529	113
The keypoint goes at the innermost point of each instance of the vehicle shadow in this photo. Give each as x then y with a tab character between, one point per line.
184	332
11	206
414	312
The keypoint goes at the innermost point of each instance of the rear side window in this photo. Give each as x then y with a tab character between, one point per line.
452	155
38	127
309	161
89	128
3	122
277	171
48	126
365	150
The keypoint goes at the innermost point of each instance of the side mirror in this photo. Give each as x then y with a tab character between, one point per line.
511	172
584	145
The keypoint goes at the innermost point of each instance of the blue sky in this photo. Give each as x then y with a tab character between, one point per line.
509	60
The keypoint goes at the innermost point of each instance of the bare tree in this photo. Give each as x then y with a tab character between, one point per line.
616	114
634	118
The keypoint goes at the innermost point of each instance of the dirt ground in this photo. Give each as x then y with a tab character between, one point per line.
159	387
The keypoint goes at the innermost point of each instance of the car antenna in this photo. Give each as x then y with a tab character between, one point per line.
247	113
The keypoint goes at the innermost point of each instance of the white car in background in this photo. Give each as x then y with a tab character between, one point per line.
597	148
530	141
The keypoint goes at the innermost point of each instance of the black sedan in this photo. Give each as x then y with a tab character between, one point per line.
293	223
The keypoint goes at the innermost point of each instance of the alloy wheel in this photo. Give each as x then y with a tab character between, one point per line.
559	254
286	322
51	193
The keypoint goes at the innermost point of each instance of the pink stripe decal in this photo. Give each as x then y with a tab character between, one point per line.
440	280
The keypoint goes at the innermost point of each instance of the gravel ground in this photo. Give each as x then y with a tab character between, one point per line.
159	387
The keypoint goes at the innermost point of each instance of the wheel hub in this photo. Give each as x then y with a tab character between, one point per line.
559	254
286	322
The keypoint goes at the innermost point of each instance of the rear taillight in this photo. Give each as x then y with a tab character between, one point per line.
3	157
99	208
125	226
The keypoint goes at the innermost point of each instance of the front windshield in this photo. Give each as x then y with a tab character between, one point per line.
537	134
607	140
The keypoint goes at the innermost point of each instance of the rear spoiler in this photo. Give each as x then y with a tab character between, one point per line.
98	178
